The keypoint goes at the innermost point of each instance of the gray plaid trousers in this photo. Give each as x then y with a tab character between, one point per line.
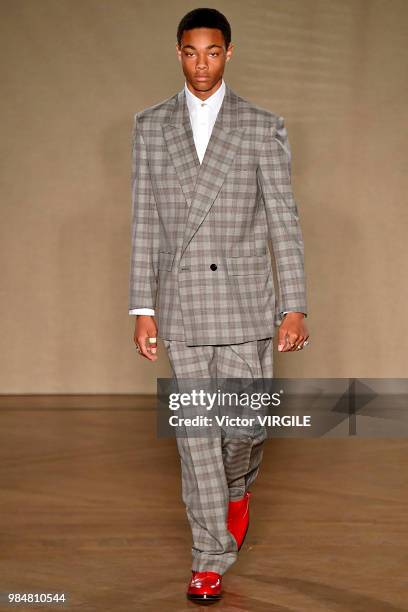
217	469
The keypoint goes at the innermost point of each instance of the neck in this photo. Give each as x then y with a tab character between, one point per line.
203	95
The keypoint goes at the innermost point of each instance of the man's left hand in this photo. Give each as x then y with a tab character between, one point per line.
292	332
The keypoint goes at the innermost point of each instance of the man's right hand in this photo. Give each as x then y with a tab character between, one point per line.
145	328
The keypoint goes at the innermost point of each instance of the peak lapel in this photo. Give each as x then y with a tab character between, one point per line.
179	138
201	182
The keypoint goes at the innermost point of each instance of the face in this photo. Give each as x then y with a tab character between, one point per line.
203	56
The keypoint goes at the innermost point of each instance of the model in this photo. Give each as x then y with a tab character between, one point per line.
211	184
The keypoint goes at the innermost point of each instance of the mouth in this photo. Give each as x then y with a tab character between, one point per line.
201	77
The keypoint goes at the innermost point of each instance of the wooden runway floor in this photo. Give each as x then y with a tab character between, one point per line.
91	506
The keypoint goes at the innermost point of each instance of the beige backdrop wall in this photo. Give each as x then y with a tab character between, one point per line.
74	72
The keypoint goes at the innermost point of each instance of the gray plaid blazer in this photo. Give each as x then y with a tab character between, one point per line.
199	242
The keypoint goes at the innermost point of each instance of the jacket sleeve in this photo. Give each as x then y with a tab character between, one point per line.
145	228
283	221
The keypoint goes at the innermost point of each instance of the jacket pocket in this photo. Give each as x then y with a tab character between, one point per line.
249	265
166	260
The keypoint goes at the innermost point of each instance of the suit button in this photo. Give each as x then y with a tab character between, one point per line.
213	266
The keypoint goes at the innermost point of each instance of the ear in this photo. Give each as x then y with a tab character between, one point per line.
229	52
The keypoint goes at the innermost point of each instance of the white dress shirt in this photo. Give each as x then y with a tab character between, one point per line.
203	115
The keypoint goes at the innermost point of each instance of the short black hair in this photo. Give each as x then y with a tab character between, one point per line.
205	18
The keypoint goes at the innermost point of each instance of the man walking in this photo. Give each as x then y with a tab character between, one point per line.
211	184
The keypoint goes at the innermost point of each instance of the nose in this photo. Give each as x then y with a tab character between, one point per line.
202	63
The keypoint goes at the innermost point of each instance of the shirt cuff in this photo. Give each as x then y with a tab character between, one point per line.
141	311
286	312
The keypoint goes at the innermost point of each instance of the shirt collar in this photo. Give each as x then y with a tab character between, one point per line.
214	101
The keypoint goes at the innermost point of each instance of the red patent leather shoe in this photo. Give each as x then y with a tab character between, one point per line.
238	518
204	587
